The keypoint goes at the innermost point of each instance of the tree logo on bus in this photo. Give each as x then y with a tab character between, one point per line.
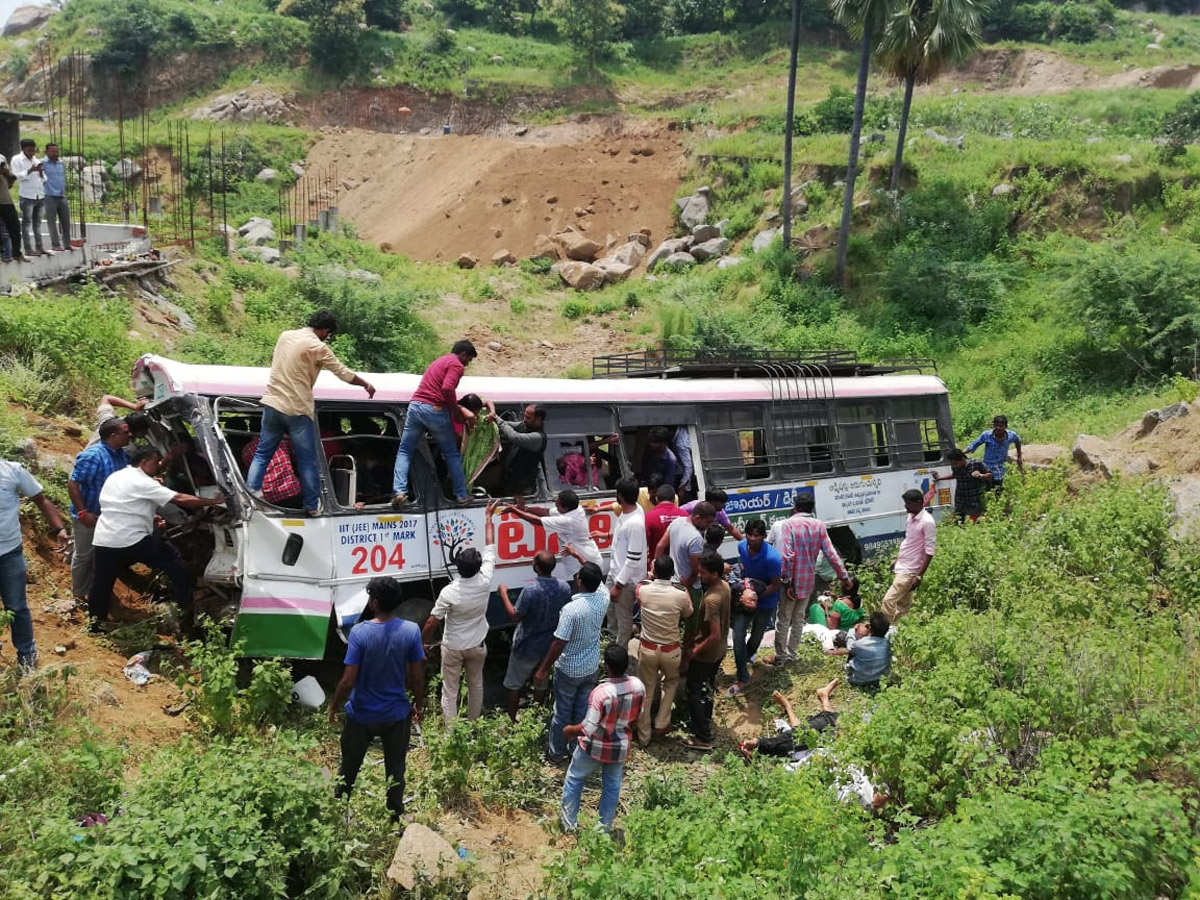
454	534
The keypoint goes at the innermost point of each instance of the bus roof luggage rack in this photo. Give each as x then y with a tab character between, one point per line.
918	364
719	364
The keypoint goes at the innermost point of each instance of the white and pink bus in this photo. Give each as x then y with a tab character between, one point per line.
764	429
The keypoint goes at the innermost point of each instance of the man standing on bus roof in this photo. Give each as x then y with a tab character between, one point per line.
913	558
431	409
995	450
803	538
288	406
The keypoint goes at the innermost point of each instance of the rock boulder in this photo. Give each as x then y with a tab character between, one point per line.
582	276
1095	454
26	18
421	849
711	249
694	209
504	258
679	259
578	246
614	271
467	261
764	239
630	254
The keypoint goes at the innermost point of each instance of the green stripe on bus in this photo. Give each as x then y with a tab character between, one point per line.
275	635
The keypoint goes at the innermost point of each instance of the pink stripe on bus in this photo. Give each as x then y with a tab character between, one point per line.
296	603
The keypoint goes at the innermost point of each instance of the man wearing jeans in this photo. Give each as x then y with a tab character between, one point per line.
28	169
288	406
16	483
762	567
603	739
58	213
125	531
575	656
463	604
433	405
384	664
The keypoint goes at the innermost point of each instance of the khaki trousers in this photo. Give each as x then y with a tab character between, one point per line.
898	600
453	663
654	668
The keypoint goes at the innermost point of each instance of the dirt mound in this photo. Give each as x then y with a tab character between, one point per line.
1045	72
433	198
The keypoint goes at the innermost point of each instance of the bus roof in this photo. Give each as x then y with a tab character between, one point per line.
251	382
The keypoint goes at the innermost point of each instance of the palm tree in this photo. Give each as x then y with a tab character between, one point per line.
920	39
863	19
788	125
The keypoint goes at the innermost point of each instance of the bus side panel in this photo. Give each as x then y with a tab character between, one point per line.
368	546
278	618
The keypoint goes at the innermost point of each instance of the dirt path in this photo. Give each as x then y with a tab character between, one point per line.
435	197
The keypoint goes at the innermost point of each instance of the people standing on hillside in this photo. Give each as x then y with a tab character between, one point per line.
288	406
463	605
58	211
432	409
570	526
718	498
913	558
15	483
32	186
972	477
536	614
9	216
762	571
602	739
704	650
995	445
124	533
628	563
665	607
92	469
802	539
574	655
660	517
523	448
385	662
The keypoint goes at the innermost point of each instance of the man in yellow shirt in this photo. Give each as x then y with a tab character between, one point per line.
288	407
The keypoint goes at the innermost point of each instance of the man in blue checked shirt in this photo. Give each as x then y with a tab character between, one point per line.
58	212
92	468
995	449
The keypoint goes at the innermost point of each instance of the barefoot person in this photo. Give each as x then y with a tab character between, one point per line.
785	744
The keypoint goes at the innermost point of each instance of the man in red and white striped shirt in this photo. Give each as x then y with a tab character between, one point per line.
604	739
802	539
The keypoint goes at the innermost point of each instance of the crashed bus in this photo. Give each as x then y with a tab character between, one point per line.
856	435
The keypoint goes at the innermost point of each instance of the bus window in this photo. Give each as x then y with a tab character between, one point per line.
581	449
914	423
863	436
804	439
281	484
360	447
735	444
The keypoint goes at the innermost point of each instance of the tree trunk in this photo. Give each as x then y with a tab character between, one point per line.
860	99
787	135
909	81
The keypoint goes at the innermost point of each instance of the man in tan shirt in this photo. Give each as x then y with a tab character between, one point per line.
288	407
664	608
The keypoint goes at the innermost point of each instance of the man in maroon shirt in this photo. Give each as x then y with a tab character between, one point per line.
660	518
432	409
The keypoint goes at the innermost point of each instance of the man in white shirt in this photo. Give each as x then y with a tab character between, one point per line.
124	532
32	184
463	605
571	527
628	564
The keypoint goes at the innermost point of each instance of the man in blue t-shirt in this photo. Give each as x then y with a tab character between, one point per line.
384	663
762	574
536	614
995	445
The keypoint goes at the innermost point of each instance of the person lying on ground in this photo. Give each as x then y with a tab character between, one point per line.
785	745
843	613
870	655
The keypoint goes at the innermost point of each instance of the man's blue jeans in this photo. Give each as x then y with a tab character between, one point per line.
578	771
420	418
12	592
757	624
303	432
570	708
